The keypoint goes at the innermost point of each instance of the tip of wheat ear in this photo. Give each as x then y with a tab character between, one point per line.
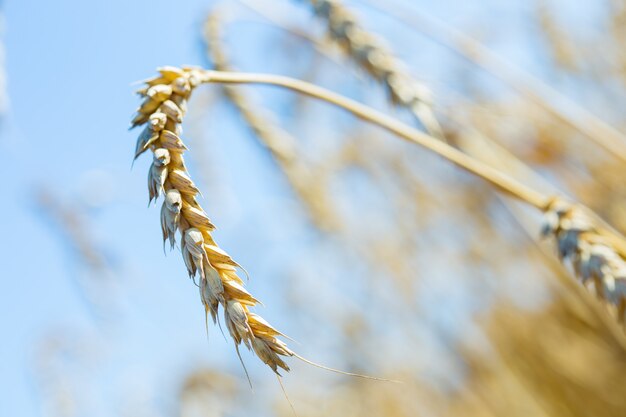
161	113
594	260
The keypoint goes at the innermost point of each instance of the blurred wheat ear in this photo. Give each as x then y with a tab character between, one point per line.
372	54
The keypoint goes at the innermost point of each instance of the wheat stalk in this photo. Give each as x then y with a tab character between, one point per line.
280	144
163	109
500	181
560	46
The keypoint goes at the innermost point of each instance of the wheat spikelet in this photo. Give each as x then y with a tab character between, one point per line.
594	260
370	52
162	111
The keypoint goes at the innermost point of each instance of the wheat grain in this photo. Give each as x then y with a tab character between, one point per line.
162	111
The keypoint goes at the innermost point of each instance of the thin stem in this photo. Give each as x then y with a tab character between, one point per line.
501	181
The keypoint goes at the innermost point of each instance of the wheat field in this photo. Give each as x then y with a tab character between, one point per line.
354	208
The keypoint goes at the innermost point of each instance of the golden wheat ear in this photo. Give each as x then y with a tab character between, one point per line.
594	260
161	114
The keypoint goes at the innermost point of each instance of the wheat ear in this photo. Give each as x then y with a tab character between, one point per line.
162	111
594	260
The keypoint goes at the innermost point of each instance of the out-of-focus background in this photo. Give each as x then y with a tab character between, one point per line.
375	256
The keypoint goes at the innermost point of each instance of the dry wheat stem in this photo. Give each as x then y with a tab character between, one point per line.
613	245
501	181
162	111
534	89
280	144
